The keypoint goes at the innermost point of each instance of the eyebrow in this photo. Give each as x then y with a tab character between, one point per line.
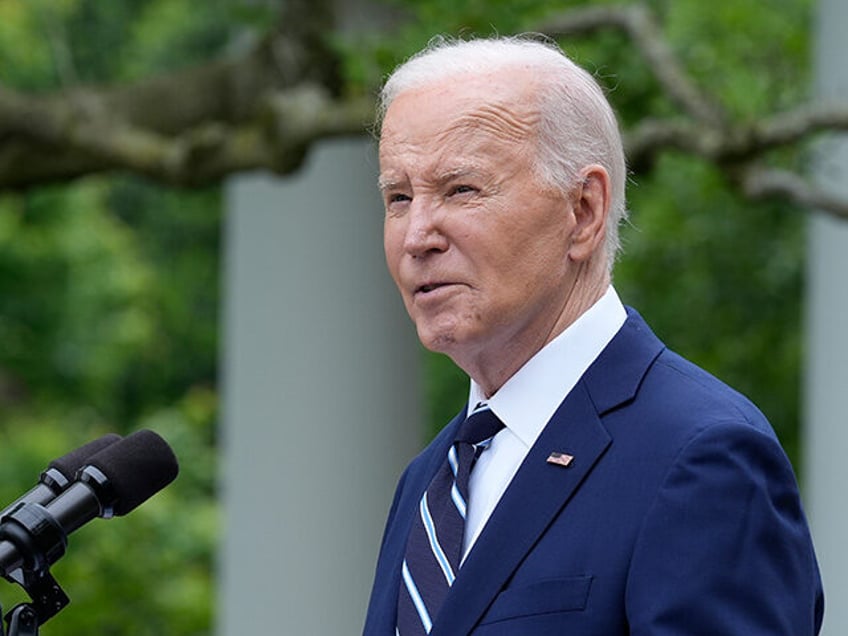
457	173
385	183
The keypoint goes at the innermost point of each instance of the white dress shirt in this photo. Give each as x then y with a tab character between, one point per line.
529	399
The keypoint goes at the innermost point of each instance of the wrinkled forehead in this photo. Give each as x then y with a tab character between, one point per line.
461	111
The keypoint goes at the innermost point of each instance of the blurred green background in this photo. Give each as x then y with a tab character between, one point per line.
110	292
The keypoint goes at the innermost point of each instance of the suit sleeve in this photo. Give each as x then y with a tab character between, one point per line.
725	548
379	618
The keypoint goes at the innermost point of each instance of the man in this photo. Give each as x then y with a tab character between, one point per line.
621	489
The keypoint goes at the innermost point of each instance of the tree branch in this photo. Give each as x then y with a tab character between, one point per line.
264	109
639	24
75	137
704	129
732	144
762	183
187	127
797	125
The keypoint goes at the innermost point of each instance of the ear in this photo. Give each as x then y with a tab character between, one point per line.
591	210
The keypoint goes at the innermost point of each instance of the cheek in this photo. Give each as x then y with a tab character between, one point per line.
392	249
530	264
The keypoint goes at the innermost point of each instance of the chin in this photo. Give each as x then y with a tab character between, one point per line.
437	340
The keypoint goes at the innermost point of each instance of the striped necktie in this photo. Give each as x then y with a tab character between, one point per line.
434	547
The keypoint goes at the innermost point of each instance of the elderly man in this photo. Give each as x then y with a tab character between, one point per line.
597	483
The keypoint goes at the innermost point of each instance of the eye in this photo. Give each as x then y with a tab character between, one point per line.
398	197
461	189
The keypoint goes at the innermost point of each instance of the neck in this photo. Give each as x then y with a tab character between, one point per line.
493	366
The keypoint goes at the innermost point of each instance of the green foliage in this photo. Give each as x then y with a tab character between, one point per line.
165	32
109	322
72	294
108	313
84	312
753	54
22	64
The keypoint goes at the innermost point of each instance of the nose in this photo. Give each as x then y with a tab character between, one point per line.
424	231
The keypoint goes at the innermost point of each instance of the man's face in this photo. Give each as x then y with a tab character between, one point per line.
476	245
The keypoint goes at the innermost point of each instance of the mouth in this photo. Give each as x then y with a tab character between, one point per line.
430	287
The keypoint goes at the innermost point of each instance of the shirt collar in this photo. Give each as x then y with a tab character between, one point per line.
529	398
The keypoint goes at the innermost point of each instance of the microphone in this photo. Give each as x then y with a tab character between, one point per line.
60	473
113	482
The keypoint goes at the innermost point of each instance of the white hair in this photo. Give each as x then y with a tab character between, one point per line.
577	125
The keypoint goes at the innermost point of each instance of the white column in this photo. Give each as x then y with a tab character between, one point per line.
320	388
826	384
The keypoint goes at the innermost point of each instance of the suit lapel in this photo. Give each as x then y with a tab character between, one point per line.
536	495
540	490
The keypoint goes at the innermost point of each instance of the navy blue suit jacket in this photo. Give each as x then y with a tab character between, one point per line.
679	515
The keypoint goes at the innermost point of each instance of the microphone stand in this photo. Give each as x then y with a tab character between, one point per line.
32	532
22	621
48	599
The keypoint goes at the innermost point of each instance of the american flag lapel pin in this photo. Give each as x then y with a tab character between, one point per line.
560	459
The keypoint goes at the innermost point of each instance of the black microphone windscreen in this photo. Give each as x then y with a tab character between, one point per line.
70	463
138	466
